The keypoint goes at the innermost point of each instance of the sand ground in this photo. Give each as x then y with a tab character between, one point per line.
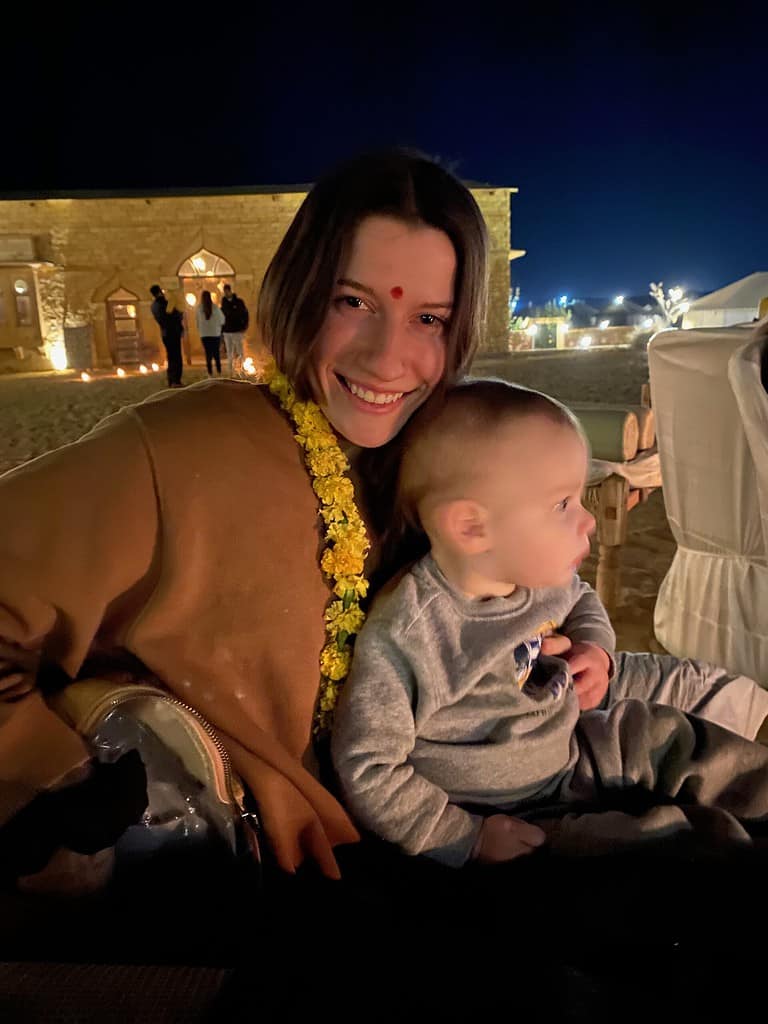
41	412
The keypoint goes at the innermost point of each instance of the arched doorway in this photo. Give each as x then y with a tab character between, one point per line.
200	272
126	340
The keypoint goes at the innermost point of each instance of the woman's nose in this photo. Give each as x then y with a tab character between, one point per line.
385	349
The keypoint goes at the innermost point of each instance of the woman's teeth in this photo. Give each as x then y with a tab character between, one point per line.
374	397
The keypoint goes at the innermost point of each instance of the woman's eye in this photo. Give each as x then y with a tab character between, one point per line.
351	301
561	506
430	320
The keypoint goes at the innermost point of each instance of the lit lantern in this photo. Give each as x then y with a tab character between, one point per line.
85	377
586	341
155	368
248	366
143	369
57	353
604	324
191	299
120	371
198	263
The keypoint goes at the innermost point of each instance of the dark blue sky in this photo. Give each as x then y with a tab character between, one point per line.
638	140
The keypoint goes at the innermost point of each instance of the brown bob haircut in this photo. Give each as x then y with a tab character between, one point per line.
299	283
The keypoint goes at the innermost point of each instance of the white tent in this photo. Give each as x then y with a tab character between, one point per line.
712	431
737	303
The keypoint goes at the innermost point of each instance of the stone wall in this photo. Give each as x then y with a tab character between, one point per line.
88	248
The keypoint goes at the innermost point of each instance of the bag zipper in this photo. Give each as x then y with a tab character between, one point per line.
236	794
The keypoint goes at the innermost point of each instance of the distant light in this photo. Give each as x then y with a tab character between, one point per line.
676	293
586	341
604	324
532	331
58	355
131	311
120	371
143	369
191	299
563	300
198	263
565	327
20	287
648	322
248	366
618	300
85	377
684	307
155	367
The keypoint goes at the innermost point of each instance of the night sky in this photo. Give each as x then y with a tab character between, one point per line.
638	140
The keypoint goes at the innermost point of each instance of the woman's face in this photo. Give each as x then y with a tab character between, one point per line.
381	349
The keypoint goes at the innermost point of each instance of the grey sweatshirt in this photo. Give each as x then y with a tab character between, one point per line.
449	703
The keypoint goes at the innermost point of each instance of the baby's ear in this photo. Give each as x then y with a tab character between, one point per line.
463	524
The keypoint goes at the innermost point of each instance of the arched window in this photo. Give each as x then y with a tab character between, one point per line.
206	264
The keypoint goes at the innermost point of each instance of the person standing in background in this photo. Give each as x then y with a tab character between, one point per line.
235	325
170	318
210	322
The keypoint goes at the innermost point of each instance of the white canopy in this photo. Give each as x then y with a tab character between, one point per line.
712	432
736	303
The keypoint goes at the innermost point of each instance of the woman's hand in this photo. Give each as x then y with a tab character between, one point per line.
504	838
590	667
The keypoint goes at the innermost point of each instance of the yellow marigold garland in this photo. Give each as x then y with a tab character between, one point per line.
347	544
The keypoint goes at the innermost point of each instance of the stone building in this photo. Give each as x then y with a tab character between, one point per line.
75	269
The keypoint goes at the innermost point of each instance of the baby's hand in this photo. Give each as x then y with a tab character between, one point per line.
589	665
503	838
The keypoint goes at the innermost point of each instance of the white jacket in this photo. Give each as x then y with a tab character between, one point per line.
210	328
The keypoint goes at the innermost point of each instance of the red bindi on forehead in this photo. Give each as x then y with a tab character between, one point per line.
396	292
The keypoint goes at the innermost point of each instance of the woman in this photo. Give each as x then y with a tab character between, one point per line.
374	298
373	301
210	323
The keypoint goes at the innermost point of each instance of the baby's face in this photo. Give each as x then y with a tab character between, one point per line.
539	530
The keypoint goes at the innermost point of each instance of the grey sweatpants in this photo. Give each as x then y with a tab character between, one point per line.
701	777
735	702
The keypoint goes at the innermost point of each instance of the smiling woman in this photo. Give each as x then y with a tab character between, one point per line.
373	300
377	358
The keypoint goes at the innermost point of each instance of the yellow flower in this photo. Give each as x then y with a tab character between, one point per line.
329	696
357	584
338	562
345	530
283	389
332	514
334	490
309	419
343	620
335	663
327	462
350	531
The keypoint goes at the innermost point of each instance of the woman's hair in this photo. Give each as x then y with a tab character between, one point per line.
299	283
207	303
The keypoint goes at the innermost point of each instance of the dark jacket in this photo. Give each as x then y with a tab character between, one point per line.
159	307
235	314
